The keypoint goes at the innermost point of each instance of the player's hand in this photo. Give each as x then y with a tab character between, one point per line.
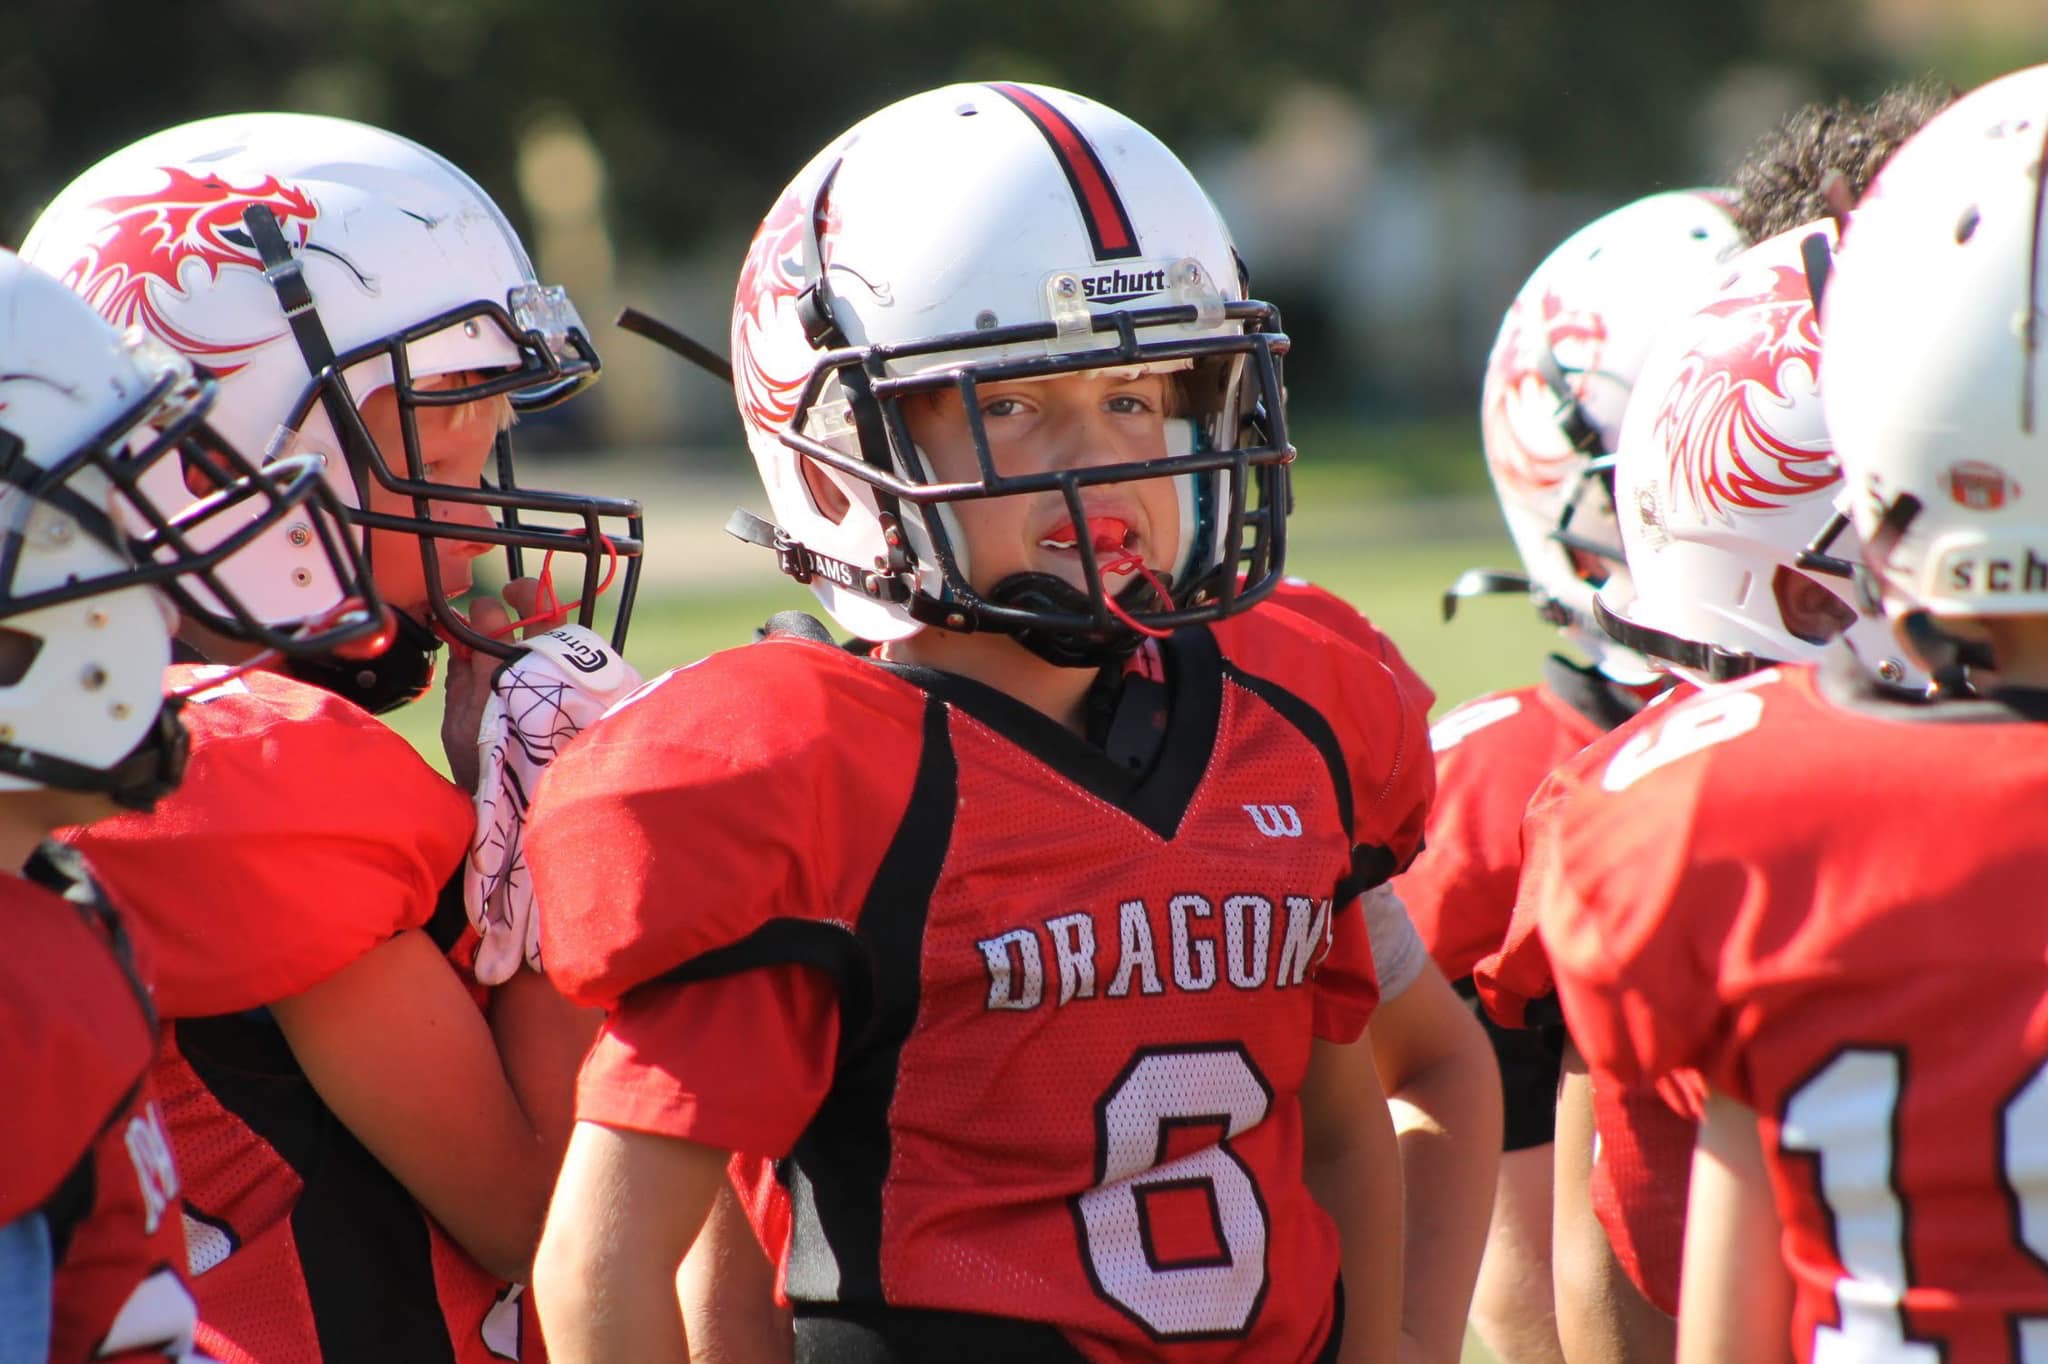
470	672
535	705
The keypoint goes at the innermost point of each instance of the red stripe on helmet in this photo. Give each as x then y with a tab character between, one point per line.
1102	209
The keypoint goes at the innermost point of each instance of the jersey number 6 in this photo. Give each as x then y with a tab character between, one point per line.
1211	1283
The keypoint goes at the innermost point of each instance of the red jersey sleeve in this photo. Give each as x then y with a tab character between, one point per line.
1517	974
305	833
664	1061
1491	754
740	806
1347	622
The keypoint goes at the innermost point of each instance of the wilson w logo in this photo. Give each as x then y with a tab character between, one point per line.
1275	821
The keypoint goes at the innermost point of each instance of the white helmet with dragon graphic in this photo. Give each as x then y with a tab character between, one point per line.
1728	490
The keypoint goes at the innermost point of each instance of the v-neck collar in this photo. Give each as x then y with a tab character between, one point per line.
1157	798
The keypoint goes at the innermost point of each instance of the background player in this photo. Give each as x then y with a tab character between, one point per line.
992	820
92	1255
1873	1043
1551	409
328	1072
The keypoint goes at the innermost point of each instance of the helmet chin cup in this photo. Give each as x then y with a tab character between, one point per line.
397	677
1047	594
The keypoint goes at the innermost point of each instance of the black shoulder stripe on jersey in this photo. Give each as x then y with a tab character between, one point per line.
1372	864
361	1238
1313	727
842	1159
799	942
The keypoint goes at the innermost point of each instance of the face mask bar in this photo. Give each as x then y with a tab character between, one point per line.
557	362
176	552
1218	592
592	540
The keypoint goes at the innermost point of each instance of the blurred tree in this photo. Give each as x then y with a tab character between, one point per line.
703	109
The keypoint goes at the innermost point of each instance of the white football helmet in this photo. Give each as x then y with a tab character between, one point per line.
309	262
1936	388
1728	490
1557	384
91	565
990	231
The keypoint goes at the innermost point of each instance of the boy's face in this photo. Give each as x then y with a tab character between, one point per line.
456	443
1044	425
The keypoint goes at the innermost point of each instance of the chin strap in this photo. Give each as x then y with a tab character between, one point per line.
1949	659
399	676
805	564
150	771
1044	592
1711	660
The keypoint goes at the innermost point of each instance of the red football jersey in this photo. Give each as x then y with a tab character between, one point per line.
86	1145
1491	753
1822	901
305	833
1076	1001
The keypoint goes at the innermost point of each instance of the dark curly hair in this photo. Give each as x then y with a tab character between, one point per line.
1779	184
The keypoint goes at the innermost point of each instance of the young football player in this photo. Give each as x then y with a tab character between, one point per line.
1551	407
1727	489
92	1255
367	1140
1827	912
1020	954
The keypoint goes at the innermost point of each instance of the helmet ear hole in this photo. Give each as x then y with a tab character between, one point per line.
827	497
18	653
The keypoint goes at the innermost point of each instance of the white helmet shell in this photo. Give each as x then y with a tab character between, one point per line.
389	238
964	212
1727	474
1936	388
94	686
1563	365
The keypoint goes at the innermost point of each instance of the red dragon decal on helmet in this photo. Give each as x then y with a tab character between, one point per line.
1519	399
147	241
1741	421
768	379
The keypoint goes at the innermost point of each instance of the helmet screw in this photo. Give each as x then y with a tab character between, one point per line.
1191	272
59	530
119	710
985	320
893	536
1066	286
1891	671
955	619
96	619
300	534
94	677
1201	598
301	577
871	585
470	329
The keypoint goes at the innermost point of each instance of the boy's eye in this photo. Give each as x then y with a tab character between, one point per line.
1129	403
1002	407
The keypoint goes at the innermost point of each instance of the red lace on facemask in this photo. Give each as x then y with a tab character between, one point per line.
547	606
1124	558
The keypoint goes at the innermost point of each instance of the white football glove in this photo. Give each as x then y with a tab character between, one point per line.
539	702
